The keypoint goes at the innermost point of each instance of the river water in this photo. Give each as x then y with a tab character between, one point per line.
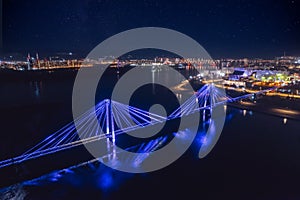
256	156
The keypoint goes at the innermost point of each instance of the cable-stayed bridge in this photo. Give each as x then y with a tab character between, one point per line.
109	118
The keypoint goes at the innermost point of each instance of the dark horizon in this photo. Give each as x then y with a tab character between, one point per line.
231	29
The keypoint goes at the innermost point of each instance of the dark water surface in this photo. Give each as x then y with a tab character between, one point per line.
256	157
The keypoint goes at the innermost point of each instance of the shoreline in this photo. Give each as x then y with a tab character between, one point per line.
276	111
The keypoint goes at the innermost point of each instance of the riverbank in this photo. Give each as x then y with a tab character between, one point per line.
276	106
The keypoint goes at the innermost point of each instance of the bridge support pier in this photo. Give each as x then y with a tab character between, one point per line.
110	125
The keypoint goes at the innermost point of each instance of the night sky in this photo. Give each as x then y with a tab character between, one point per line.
228	28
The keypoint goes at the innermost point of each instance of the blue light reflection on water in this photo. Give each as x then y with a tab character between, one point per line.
96	175
106	179
93	174
229	159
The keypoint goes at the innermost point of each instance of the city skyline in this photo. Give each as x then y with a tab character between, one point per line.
149	54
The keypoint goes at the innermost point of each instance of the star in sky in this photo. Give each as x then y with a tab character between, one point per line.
231	28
